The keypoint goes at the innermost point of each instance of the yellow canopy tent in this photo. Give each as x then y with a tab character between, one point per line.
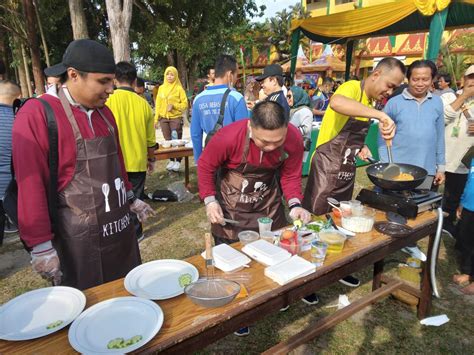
403	16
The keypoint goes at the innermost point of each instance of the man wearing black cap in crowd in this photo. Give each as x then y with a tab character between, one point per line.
93	241
272	84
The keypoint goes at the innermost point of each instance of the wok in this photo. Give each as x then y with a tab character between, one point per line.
374	172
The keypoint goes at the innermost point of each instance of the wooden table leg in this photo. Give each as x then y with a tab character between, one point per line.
424	306
378	272
186	171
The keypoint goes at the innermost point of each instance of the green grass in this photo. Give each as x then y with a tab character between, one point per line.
388	326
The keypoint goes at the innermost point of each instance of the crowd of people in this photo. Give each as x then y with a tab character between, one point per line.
249	162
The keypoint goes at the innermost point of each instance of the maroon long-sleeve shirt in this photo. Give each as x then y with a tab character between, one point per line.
226	149
30	159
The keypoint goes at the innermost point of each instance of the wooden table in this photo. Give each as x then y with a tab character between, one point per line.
176	152
188	327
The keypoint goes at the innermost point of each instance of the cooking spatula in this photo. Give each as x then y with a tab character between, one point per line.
209	260
392	169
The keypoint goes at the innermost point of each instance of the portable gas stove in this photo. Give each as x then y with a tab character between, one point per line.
407	203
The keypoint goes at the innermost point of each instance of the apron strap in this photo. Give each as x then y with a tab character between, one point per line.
67	108
109	126
247	146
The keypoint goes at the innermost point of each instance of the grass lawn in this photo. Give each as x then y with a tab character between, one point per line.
387	327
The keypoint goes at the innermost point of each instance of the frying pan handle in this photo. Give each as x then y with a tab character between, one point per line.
207	237
388	142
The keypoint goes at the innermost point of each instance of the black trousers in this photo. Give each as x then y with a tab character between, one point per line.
465	242
3	218
138	185
453	189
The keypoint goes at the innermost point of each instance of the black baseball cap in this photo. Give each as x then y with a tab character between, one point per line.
270	70
85	55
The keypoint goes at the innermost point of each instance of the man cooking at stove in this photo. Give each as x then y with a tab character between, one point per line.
343	130
246	157
342	135
419	117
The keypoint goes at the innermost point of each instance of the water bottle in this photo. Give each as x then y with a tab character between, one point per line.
174	134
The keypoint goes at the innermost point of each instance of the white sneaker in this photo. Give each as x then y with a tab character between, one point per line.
176	166
415	252
170	165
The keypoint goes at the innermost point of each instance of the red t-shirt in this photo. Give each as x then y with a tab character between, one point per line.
30	158
226	149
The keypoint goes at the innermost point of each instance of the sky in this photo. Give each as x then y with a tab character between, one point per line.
273	6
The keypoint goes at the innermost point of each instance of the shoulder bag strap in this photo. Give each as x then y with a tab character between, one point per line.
222	109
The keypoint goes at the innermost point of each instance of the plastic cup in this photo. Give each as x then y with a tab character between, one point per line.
264	224
318	252
268	236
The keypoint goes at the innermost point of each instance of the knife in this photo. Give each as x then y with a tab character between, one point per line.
231	221
343	230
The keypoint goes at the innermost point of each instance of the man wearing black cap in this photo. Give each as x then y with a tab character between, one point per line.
93	240
272	84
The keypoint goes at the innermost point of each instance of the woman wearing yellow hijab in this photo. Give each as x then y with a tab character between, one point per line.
171	102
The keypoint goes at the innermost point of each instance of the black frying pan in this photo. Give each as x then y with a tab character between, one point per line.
375	171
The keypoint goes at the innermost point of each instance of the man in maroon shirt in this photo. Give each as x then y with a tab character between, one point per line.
93	240
248	155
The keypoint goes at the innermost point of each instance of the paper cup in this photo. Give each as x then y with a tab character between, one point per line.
264	224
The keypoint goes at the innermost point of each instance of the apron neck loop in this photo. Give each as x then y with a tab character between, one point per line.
70	116
246	147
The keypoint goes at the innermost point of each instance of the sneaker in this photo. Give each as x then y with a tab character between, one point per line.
9	227
284	309
350	281
170	165
242	332
311	299
176	166
415	252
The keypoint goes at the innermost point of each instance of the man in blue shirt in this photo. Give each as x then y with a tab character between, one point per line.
419	137
207	104
9	91
320	100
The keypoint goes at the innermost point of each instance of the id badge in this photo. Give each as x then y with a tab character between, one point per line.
455	132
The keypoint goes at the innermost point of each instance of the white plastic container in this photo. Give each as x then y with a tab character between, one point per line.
266	253
227	258
359	223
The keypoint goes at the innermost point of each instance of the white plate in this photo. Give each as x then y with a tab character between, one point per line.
121	317
28	315
159	279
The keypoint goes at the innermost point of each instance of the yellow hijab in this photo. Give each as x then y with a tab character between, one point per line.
166	88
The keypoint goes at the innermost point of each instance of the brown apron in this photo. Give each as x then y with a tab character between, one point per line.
333	166
247	193
95	237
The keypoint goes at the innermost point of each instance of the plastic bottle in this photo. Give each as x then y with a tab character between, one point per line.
174	134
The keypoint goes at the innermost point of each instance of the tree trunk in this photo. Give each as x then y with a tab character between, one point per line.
34	47
119	22
26	90
193	69
43	39
3	52
182	70
78	19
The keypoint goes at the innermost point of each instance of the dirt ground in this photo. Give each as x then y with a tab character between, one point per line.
388	327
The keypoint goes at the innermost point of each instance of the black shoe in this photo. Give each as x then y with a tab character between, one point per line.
284	309
311	299
242	332
350	281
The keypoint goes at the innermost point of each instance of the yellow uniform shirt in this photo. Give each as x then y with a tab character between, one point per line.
134	118
333	122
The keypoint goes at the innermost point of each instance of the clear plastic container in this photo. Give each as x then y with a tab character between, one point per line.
247	237
293	245
334	239
360	222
